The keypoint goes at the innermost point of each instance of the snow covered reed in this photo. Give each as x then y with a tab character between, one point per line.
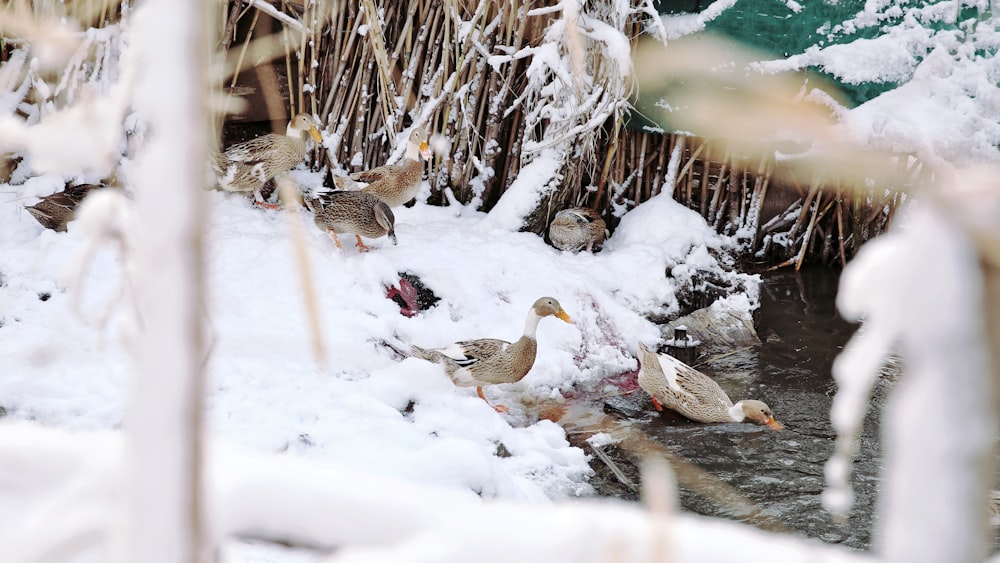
163	457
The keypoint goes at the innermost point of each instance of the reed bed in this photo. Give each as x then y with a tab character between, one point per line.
784	220
500	84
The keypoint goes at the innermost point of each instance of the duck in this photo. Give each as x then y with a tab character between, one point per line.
395	184
56	210
358	213
577	228
679	387
246	167
492	361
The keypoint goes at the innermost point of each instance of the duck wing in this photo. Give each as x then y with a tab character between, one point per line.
582	215
253	151
346	183
377	174
469	352
695	387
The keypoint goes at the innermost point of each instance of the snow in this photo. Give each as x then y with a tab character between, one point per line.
682	24
365	407
383	454
486	277
374	519
947	346
266	391
946	73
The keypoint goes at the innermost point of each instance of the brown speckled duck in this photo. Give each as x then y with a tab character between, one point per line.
577	228
491	361
358	213
55	210
679	387
246	167
395	184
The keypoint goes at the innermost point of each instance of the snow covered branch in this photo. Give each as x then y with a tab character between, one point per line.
164	454
367	518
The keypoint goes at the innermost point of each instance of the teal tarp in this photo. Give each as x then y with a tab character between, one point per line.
789	27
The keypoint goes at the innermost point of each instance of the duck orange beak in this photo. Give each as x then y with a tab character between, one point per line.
564	316
425	150
773	424
314	133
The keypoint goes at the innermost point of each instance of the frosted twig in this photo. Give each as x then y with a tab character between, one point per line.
270	10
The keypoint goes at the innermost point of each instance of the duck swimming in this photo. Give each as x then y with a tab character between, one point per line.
679	387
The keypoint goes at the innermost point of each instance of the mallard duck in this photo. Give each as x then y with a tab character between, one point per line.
679	387
246	167
577	228
491	361
394	184
358	213
55	210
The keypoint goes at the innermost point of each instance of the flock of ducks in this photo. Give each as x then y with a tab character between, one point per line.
362	209
366	211
671	383
363	201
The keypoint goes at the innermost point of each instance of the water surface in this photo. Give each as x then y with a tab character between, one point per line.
750	473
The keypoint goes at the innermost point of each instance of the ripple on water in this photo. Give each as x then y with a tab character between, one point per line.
774	480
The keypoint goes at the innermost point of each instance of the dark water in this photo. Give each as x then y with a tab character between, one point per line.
746	472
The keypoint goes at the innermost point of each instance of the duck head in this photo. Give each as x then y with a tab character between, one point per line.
386	220
304	123
758	412
418	145
548	306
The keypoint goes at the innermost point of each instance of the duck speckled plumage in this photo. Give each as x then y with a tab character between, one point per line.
246	167
55	210
491	361
577	228
395	184
358	213
679	387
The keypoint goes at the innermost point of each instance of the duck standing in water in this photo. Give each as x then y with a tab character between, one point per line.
577	228
679	387
246	167
491	361
394	184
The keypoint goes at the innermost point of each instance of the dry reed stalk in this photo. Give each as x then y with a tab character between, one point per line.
704	180
240	59
810	196
387	88
690	163
840	231
717	188
817	215
291	200
761	183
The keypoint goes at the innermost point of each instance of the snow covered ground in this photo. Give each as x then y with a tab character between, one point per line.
64	313
365	406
